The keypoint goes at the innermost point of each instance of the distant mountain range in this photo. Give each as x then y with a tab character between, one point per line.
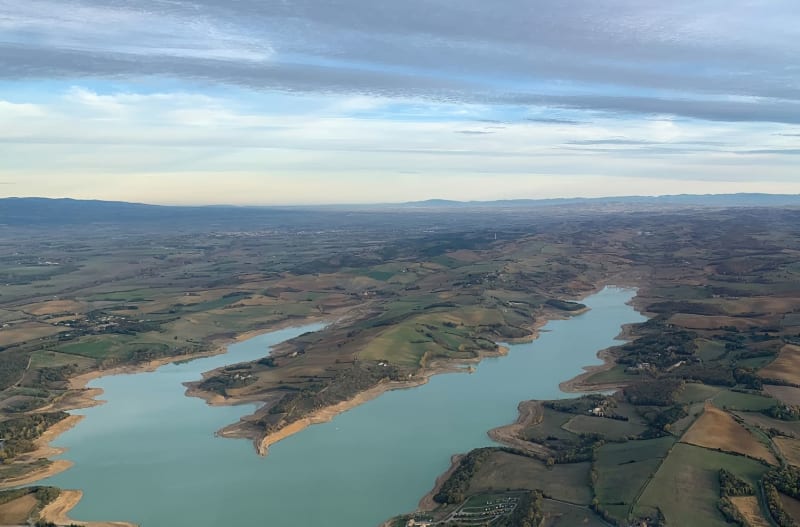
66	211
45	211
703	200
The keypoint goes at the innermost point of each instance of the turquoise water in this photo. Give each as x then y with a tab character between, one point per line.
150	456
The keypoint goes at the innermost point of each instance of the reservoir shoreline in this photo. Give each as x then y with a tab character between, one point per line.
320	416
530	412
89	397
262	441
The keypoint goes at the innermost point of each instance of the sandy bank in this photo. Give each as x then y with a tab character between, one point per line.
44	450
58	511
328	413
427	503
263	441
80	396
56	467
530	413
580	384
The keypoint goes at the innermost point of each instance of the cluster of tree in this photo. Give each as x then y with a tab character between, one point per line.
269	362
11	495
568	450
528	513
579	405
784	412
327	391
779	516
706	373
453	489
43	495
25	404
504	331
748	378
603	513
659	392
12	367
565	305
660	421
682	306
55	377
784	480
731	513
152	352
754	353
19	433
660	345
226	380
779	382
579	451
658	521
732	485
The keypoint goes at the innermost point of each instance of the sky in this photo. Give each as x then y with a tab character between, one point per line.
353	101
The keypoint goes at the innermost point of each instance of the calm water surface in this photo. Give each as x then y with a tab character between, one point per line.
150	456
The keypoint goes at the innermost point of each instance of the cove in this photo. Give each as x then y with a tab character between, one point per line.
149	455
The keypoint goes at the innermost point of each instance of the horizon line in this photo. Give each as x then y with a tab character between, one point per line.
396	203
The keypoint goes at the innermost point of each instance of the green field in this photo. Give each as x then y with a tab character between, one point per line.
682	292
694	410
730	400
93	347
693	392
623	469
564	515
617	374
551	425
402	345
709	349
791	320
791	428
686	487
569	482
755	362
130	295
48	358
612	429
113	349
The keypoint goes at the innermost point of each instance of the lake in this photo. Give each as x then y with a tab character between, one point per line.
149	455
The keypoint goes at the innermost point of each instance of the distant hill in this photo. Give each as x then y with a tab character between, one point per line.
45	211
703	200
65	212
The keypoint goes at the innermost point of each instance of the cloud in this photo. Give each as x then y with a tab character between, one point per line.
611	142
766	110
80	135
704	59
551	120
778	151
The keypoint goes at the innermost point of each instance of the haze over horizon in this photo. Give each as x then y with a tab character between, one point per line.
311	102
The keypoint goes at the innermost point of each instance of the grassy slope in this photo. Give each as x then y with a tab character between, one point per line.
686	487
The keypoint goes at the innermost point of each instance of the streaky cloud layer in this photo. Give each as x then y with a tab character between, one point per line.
514	99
